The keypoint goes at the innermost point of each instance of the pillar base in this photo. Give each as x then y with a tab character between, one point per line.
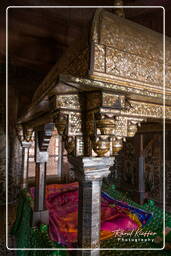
139	197
40	217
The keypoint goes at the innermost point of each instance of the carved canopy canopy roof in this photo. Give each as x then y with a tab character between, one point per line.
121	56
127	53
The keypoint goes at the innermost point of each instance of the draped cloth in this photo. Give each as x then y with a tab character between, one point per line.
62	203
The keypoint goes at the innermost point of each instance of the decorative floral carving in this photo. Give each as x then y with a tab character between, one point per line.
80	65
131	37
145	109
75	124
127	50
113	100
79	146
134	67
99	58
24	133
71	101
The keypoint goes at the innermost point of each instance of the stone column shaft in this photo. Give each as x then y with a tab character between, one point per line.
40	186
40	214
90	172
25	163
25	137
60	158
89	213
141	177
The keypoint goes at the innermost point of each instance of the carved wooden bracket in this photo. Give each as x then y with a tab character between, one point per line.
24	134
94	122
61	120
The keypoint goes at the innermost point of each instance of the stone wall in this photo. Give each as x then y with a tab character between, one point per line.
125	171
13	147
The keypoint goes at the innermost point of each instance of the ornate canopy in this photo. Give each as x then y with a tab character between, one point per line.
97	96
105	86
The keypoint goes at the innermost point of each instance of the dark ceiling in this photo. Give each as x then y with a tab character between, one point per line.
38	37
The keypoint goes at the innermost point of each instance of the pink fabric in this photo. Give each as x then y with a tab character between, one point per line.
62	203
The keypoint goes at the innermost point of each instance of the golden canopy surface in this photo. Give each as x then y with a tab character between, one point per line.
121	56
127	53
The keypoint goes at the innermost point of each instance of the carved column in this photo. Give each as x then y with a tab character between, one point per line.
42	139
93	126
90	172
25	164
60	158
141	175
25	137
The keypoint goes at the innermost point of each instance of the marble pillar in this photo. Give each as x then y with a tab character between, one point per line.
141	171
25	161
40	214
60	159
90	172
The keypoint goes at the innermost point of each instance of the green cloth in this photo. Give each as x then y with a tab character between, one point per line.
37	237
32	237
155	225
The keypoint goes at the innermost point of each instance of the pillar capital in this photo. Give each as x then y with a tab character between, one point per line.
94	123
91	168
25	135
26	144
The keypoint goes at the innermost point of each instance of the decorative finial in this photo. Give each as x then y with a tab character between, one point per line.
119	11
20	132
24	134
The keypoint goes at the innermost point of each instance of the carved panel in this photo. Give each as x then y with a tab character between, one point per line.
66	101
134	67
141	110
131	37
99	58
70	101
113	100
105	99
129	51
145	109
80	64
79	146
75	124
121	127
